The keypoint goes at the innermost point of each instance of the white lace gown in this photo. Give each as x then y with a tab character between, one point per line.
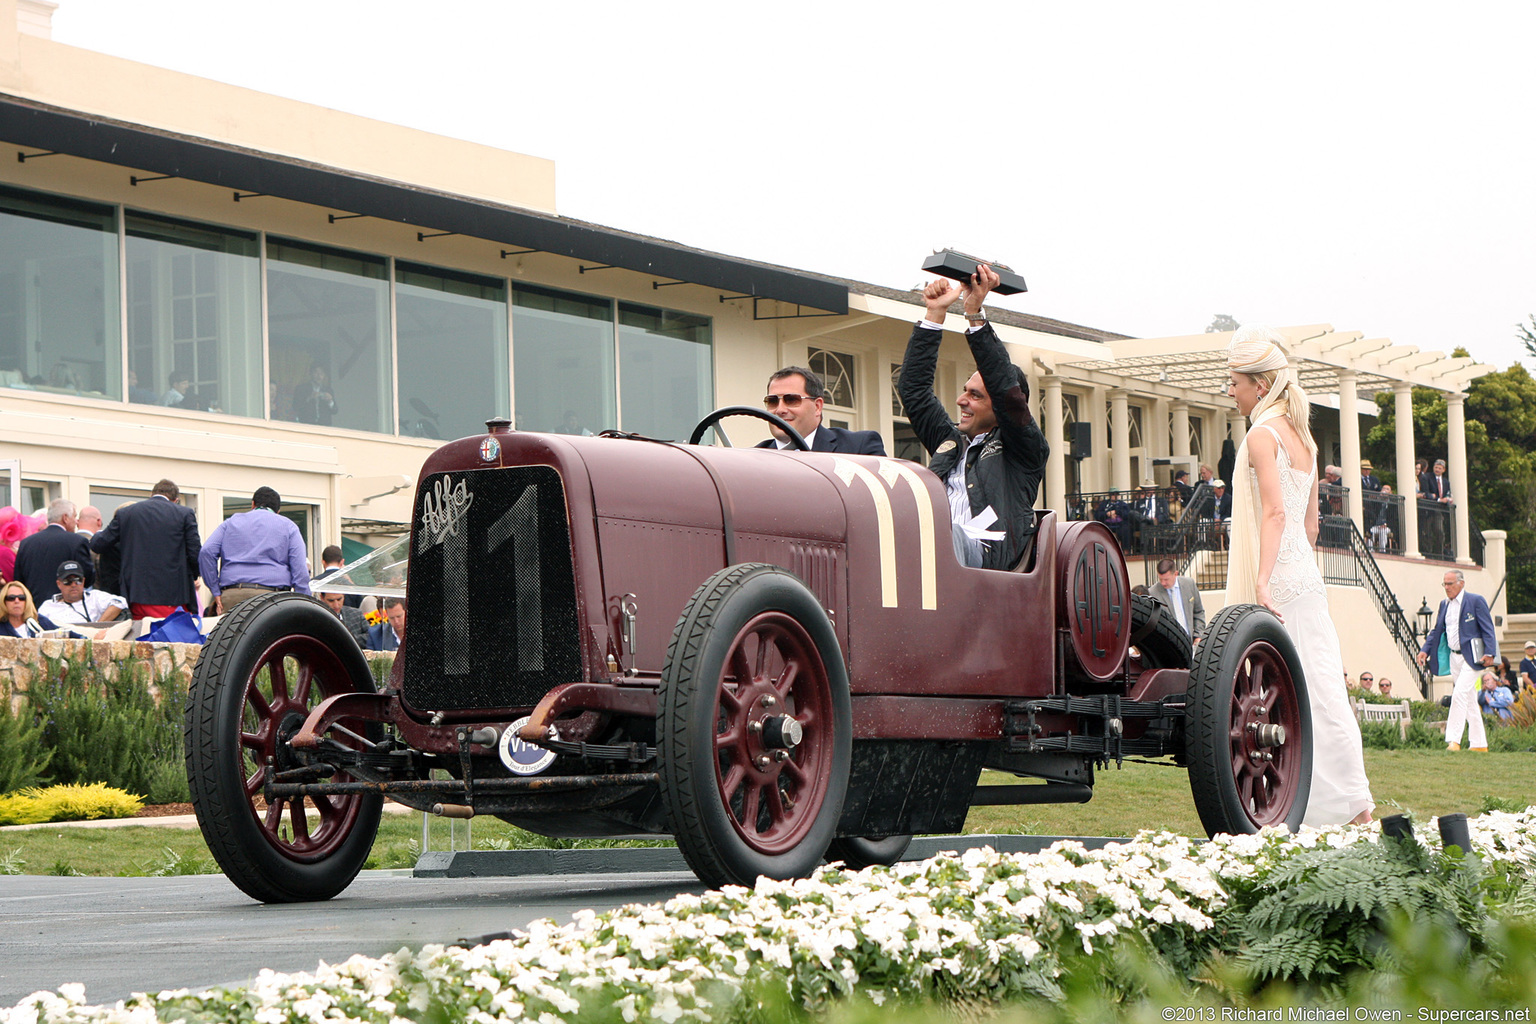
1339	787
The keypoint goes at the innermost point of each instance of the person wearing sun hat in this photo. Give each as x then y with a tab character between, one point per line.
1527	672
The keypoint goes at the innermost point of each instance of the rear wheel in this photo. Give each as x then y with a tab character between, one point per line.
1248	733
754	728
267	665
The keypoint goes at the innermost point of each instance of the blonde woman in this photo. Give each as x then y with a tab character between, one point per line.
19	612
1274	528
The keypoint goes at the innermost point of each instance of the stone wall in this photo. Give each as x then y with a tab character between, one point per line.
22	660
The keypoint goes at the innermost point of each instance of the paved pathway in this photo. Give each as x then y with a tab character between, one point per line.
121	935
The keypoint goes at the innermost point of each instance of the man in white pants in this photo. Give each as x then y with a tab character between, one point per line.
1467	626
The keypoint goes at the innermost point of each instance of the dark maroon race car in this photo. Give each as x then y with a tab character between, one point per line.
773	657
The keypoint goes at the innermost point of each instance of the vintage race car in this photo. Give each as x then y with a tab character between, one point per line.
772	656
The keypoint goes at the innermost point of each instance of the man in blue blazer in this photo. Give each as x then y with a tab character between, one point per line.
388	635
796	395
1466	625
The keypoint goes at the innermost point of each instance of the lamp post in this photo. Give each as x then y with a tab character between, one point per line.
1425	617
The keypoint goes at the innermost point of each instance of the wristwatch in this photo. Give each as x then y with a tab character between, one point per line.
976	318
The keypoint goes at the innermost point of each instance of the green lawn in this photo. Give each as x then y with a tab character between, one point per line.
1426	782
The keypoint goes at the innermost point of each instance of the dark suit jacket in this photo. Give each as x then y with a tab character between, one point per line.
382	638
356	625
840	441
1428	489
38	558
1476	624
1369	483
159	545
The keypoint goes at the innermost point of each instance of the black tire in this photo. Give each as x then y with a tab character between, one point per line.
727	673
240	708
1246	676
1156	633
858	853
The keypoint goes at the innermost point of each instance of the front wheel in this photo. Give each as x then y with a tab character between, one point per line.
754	728
1248	729
269	663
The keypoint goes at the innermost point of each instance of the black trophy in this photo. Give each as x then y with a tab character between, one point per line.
960	267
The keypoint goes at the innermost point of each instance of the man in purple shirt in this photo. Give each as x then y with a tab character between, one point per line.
260	551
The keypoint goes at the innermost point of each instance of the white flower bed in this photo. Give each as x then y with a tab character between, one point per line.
980	926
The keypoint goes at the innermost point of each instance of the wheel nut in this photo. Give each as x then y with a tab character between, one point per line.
762	762
781	755
755	728
782	731
768	700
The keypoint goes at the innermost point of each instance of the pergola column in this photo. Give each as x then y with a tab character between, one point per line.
1407	481
1456	455
1120	439
1349	445
1178	413
1055	432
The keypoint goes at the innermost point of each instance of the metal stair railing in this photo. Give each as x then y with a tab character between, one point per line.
1368	574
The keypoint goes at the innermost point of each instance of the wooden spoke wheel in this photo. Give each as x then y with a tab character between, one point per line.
1248	729
266	667
754	728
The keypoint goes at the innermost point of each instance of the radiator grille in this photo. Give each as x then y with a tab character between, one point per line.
492	617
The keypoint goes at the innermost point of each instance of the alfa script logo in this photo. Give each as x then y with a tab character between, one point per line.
442	510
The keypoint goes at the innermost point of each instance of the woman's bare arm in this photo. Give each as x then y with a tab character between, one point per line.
1271	510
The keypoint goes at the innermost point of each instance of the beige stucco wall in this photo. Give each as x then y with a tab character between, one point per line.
50	72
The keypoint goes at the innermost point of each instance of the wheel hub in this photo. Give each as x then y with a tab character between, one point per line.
1267	734
287	728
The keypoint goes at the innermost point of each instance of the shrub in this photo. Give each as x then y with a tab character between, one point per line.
111	731
67	803
1388	736
23	758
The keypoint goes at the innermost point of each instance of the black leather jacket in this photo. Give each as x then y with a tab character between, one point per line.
1003	471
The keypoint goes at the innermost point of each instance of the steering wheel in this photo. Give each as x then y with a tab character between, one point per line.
796	441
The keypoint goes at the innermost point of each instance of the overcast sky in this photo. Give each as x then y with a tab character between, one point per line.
1144	166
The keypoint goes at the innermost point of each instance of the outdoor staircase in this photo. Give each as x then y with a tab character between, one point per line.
1517	630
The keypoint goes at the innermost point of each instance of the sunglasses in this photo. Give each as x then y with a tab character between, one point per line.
15	597
73	579
790	401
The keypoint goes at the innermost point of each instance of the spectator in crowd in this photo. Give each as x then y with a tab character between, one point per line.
1385	687
353	619
1181	484
1368	481
1180	596
75	603
1462	642
796	395
313	400
1206	476
138	393
38	557
1115	514
1141	589
1367	682
331	562
1222	509
1384	522
157	542
176	394
1435	489
20	612
88	521
993	459
1528	665
1494	698
1507	675
254	553
389	634
1175	504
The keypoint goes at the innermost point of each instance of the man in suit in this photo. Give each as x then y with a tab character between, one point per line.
1180	596
350	617
38	556
1149	509
389	634
1181	484
158	542
1467	627
796	395
1367	481
1435	486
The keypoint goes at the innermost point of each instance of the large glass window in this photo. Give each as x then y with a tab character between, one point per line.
666	375
328	326
194	316
58	296
451	340
563	361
